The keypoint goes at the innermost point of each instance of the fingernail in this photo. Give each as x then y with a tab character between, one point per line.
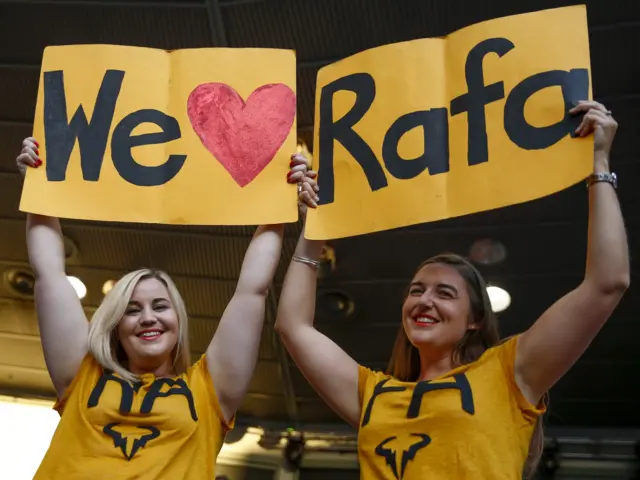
37	152
37	144
314	204
317	198
38	163
291	165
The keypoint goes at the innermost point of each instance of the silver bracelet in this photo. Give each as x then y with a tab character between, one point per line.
306	261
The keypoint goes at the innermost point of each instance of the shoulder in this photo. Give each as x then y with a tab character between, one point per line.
84	378
368	379
201	383
504	356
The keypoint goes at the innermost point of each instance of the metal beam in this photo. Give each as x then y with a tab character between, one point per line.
288	389
216	23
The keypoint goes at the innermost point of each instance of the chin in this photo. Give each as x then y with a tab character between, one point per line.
158	349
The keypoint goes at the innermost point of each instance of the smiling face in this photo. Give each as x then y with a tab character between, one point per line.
436	312
148	330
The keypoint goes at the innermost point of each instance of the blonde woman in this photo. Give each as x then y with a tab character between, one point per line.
131	403
456	402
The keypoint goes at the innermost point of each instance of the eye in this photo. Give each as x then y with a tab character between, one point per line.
161	307
132	311
415	291
446	294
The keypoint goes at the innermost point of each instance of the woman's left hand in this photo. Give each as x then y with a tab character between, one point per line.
597	119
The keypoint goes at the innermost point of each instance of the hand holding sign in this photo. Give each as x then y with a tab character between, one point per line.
599	120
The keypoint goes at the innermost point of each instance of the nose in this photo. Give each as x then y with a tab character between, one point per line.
427	299
147	317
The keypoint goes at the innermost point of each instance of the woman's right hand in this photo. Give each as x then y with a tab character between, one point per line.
29	156
308	192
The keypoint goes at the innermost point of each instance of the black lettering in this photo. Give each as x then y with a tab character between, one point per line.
363	85
122	142
460	382
478	96
379	389
177	387
127	392
575	86
60	134
435	127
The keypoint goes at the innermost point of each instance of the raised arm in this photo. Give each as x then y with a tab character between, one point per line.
233	351
328	368
63	325
561	335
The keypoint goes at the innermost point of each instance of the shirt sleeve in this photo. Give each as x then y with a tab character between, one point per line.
506	354
200	380
89	370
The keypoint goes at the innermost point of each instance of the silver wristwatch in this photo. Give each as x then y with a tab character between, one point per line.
611	178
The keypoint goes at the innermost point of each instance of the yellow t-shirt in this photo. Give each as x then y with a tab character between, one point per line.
164	428
472	423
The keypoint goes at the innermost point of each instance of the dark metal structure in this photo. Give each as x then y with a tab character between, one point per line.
359	301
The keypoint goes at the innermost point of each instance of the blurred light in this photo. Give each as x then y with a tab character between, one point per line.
108	285
487	252
78	286
500	298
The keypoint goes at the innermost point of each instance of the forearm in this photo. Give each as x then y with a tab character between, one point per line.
298	298
261	260
607	249
45	245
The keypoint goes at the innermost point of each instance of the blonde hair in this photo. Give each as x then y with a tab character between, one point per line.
104	345
405	357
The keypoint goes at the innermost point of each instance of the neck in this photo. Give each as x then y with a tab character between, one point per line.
158	369
434	364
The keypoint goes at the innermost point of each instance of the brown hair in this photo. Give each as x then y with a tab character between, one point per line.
405	358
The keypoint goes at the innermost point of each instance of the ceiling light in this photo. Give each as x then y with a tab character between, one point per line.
500	298
21	282
487	252
78	286
108	285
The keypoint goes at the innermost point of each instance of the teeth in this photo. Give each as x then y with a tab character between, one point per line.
425	320
150	334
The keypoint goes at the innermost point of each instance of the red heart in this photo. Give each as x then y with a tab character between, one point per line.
243	137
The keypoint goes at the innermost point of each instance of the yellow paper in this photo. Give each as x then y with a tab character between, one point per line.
198	190
430	74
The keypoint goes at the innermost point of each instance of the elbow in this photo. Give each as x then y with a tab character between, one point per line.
280	326
616	286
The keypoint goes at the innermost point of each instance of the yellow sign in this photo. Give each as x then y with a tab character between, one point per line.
437	128
200	136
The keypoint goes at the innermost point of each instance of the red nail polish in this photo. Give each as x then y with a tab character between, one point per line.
289	175
37	152
37	144
38	163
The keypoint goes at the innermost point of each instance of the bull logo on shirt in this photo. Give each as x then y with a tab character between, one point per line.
417	441
130	441
420	440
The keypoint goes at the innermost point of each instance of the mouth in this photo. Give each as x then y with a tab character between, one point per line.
425	321
150	335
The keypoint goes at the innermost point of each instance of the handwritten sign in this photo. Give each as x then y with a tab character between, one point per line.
201	136
437	128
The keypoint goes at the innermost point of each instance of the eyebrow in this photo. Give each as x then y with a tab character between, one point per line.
155	300
446	286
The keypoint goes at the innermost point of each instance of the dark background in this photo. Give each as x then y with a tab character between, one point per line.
545	240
